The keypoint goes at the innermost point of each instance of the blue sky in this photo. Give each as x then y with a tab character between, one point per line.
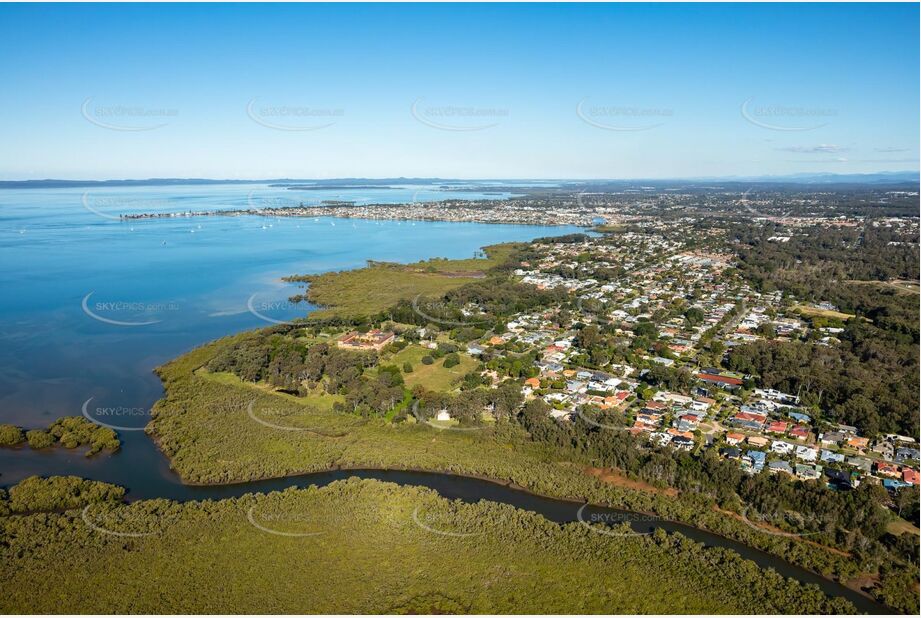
463	91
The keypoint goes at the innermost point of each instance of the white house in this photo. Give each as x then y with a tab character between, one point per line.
781	448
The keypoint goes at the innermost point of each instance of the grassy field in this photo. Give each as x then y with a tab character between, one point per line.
318	399
808	311
900	526
434	377
495	256
362	547
376	288
609	228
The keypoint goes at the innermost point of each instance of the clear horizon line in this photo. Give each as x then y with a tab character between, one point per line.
449	178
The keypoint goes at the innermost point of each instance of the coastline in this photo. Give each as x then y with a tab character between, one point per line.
487	213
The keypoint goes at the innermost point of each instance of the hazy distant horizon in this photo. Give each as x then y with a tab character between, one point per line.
794	178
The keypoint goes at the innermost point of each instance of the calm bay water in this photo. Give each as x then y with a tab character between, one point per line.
92	304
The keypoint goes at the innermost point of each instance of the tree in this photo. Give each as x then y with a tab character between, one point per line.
861	411
407	367
717	348
694	316
645	329
588	337
506	399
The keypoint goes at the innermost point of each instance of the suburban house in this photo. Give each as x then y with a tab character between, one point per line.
780	466
748	420
857	443
755	459
474	349
838	478
722	380
781	448
733	438
808	473
779	427
832	438
888	469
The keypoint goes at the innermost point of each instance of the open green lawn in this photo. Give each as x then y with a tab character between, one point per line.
318	399
495	256
434	377
376	288
900	526
808	311
368	291
362	547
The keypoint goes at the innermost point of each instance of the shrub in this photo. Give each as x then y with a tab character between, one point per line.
407	367
451	360
39	438
10	435
74	431
60	492
427	360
